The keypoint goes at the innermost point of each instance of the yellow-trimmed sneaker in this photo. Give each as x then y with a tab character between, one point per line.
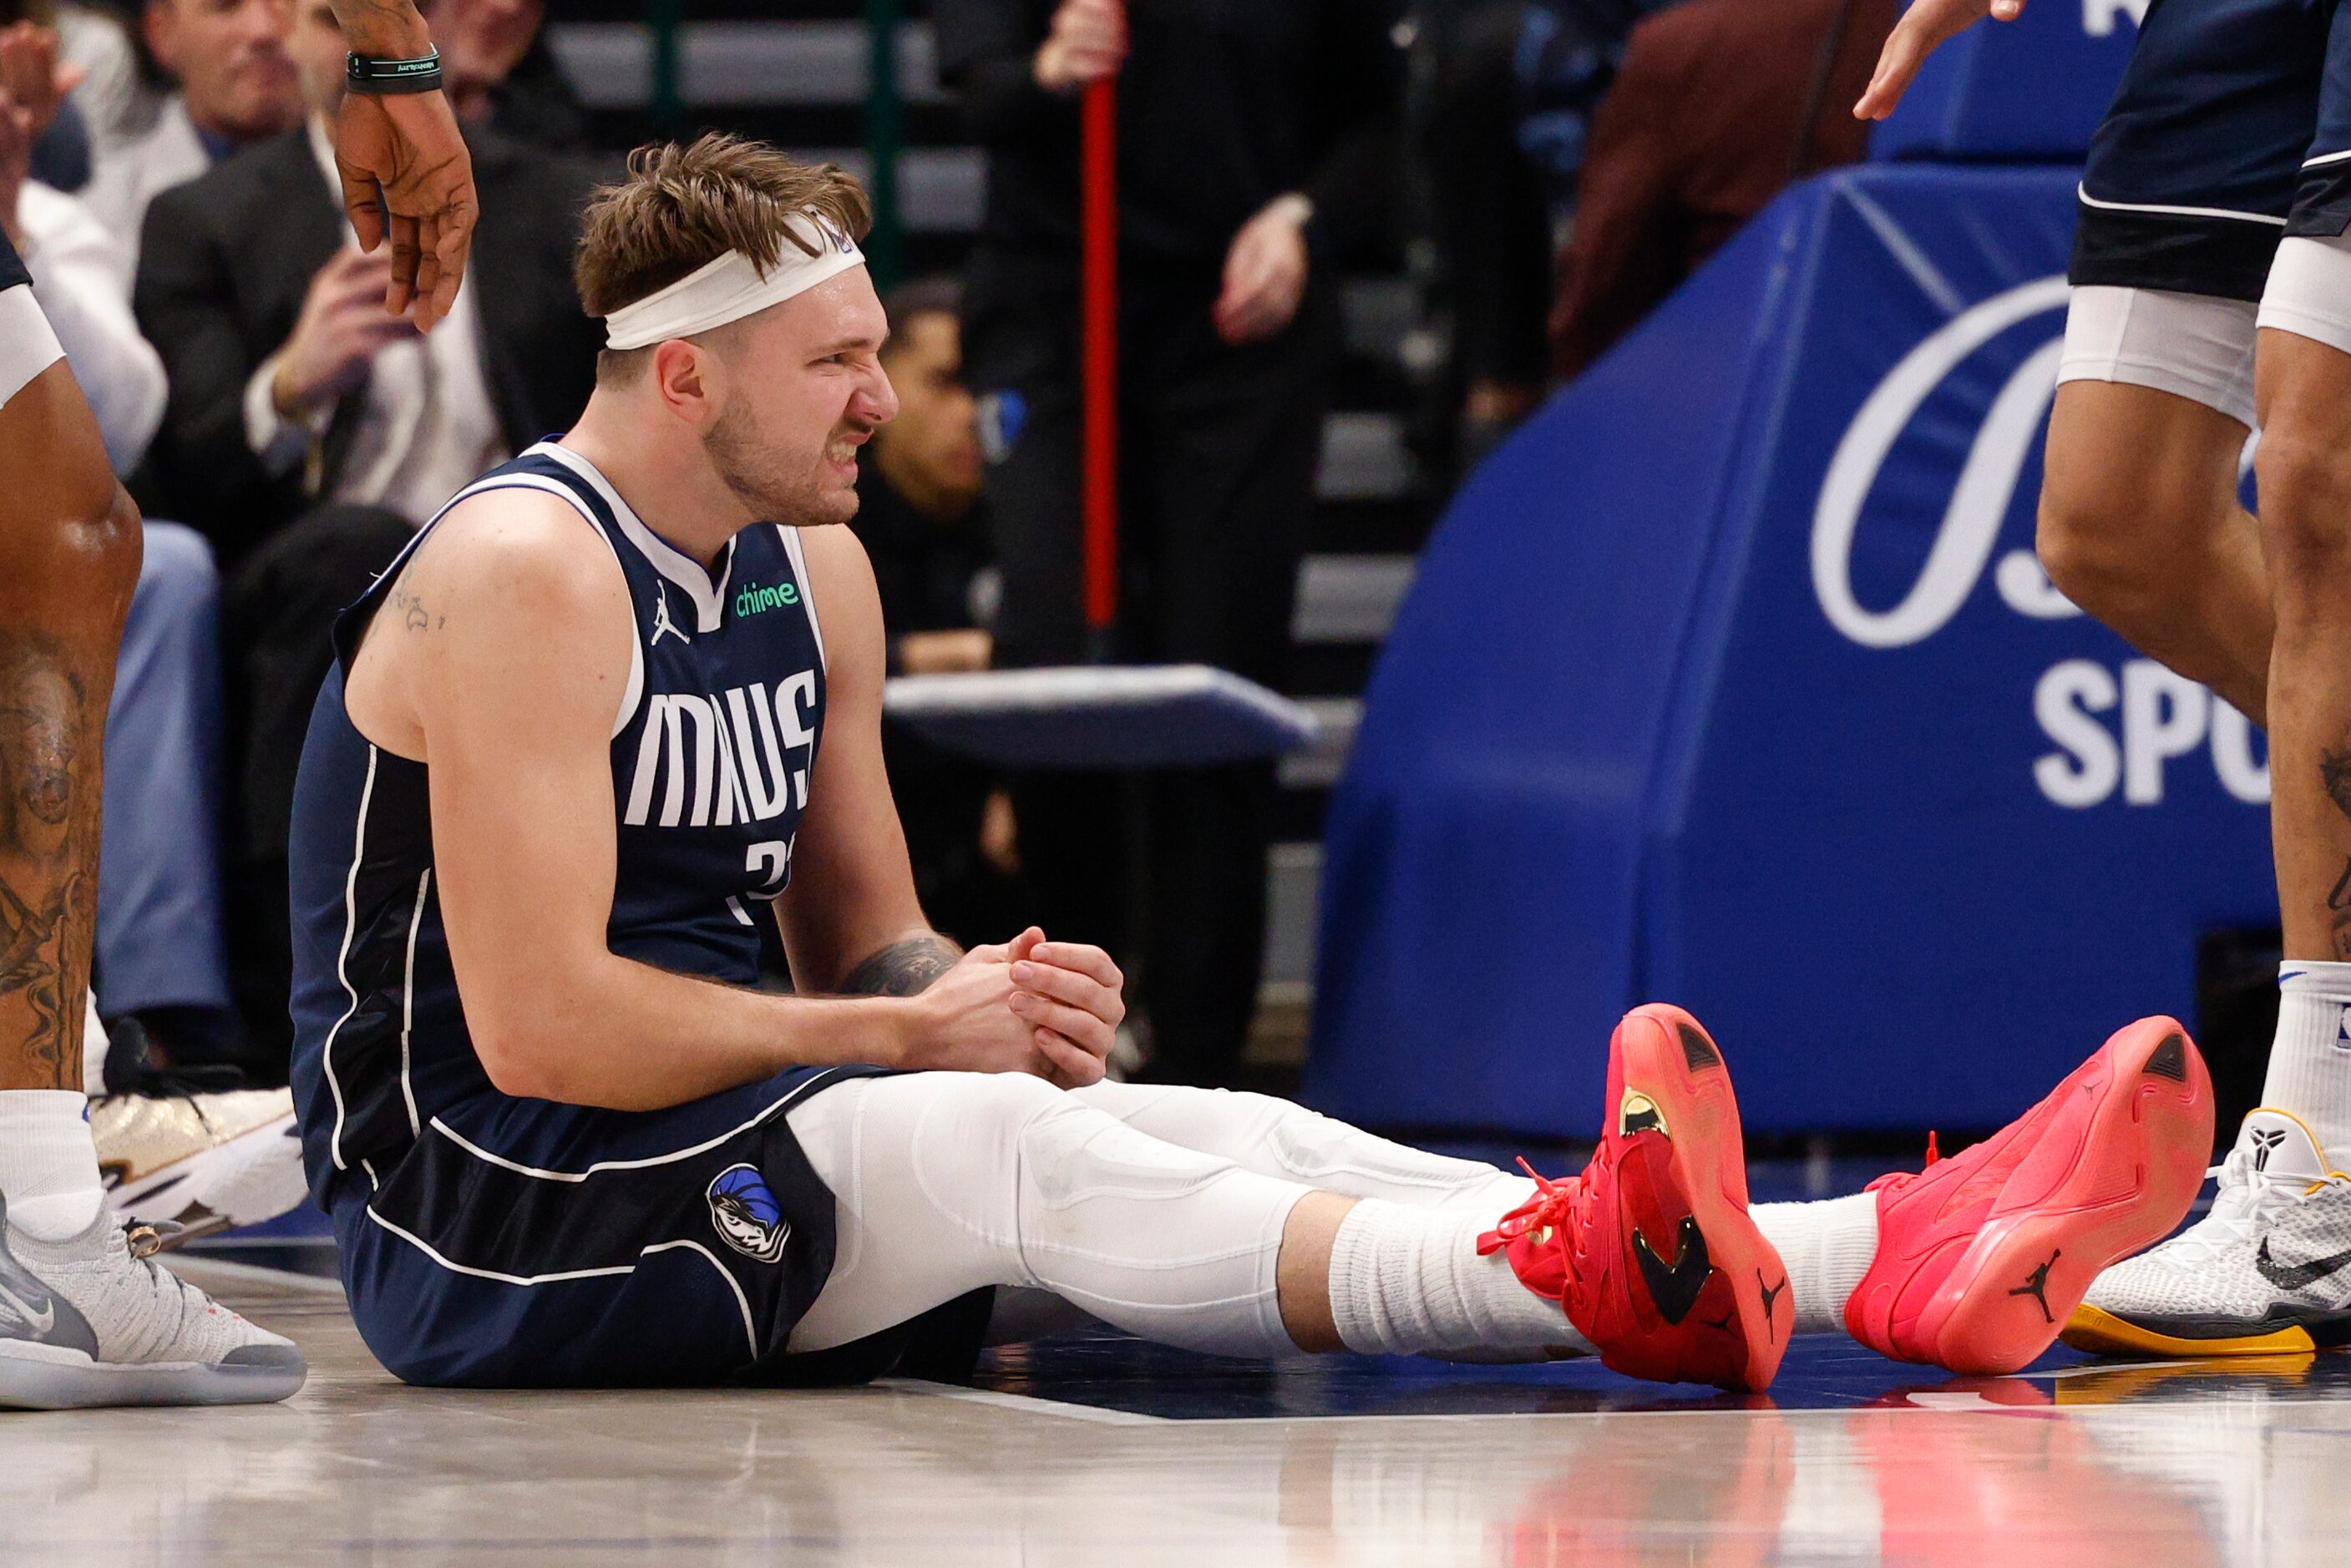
200	1161
2267	1271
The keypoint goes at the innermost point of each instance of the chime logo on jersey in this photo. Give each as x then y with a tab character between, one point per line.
715	761
754	599
746	1215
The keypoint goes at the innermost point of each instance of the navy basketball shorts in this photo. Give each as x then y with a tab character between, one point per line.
521	1244
2231	130
2215	200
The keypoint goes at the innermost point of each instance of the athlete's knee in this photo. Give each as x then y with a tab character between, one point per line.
2305	481
2112	545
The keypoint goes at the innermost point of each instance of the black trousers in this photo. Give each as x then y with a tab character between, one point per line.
277	618
1218	447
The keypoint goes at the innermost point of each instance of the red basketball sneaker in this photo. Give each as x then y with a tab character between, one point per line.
1983	1257
1650	1250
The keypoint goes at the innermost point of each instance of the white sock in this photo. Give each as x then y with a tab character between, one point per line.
1827	1246
2310	1060
49	1166
1407	1281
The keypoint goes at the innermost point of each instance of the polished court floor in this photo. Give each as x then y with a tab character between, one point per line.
1086	1452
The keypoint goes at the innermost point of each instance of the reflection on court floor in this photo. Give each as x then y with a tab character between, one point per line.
1084	1452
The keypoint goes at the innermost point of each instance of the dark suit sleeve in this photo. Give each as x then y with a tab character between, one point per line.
1359	118
986	53
185	301
1625	256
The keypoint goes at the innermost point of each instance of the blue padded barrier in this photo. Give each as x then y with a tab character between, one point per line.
1732	680
2033	88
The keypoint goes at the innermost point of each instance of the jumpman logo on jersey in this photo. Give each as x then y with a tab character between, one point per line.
662	623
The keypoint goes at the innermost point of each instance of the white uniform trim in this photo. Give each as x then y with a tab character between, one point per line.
635	692
791	537
27	344
2090	200
2324	159
408	1002
424	1247
343	960
750	1330
708	598
503	1163
2309	290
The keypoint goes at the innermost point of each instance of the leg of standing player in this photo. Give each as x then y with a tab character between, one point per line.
85	1321
2141	525
70	545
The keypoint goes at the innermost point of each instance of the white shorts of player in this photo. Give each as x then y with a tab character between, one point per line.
2201	347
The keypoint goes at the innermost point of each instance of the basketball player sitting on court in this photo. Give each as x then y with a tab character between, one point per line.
621	702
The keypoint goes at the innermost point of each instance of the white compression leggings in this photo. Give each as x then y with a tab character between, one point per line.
1157	1210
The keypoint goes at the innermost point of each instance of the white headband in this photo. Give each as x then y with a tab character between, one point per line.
731	289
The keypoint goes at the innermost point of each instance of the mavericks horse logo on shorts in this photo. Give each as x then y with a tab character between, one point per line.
747	1213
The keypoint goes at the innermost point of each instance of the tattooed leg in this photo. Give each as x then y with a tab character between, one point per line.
69	559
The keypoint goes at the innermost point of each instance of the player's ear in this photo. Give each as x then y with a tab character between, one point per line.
687	376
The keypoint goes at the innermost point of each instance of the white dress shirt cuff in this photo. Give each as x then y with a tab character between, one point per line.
279	442
28	346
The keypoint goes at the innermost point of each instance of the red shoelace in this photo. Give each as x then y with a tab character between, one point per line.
1553	1206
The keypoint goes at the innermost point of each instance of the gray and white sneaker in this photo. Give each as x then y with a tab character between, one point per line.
2266	1271
95	1321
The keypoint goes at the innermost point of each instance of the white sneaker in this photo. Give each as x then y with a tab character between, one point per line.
2267	1271
200	1161
94	1320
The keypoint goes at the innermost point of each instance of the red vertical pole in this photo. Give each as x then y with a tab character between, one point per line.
1098	221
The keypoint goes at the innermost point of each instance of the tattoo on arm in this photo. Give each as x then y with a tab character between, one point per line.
413	616
903	968
48	844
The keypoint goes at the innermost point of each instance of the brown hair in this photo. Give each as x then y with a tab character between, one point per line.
682	208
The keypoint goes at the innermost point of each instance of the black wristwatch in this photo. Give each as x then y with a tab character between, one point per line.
366	73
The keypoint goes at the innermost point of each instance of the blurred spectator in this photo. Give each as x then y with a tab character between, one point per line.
923	523
237	87
501	74
309	433
1719	104
1258	146
162	956
1512	88
124	90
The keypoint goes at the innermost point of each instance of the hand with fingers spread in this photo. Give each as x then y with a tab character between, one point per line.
1923	27
31	76
339	334
966	1022
406	174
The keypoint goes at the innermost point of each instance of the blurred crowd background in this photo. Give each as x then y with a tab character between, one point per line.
1360	240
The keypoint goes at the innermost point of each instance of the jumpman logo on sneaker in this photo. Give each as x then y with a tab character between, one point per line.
40	1322
662	623
2036	1285
1771	1294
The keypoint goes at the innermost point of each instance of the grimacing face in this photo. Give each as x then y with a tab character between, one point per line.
805	388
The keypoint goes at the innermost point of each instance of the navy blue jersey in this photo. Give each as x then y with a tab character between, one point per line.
713	748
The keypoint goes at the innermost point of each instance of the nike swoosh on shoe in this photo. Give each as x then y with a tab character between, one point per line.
2297	1276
